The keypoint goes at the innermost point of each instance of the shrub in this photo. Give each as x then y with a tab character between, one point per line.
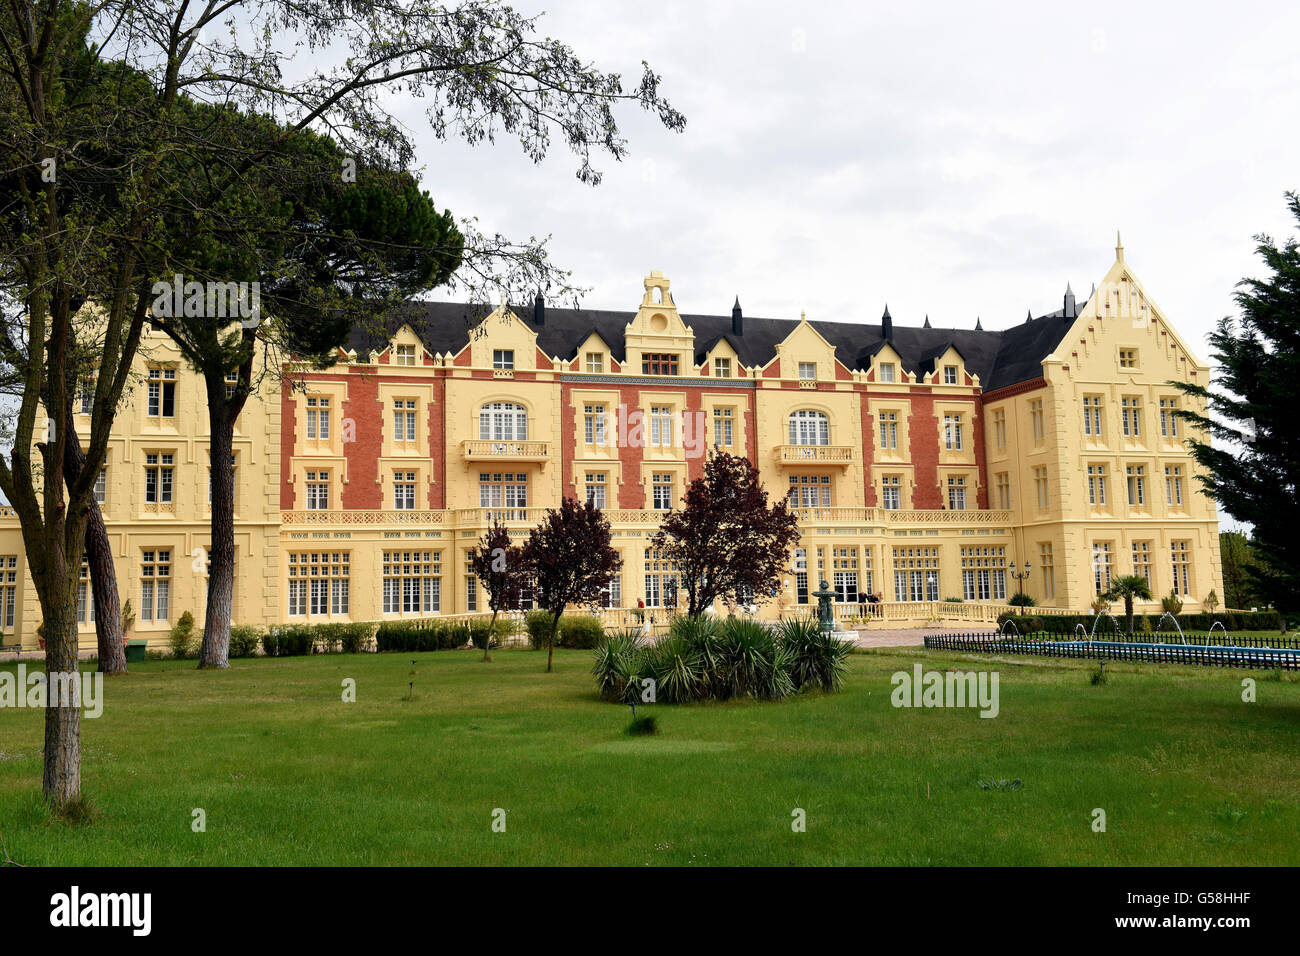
243	640
355	638
583	632
481	634
326	638
1172	603
617	658
676	669
293	640
538	625
818	659
953	600
181	639
1021	600
270	643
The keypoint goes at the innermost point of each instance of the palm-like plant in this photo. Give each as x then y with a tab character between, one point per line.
1128	588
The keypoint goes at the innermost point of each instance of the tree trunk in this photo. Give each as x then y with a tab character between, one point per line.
550	642
103	574
487	645
61	777
215	651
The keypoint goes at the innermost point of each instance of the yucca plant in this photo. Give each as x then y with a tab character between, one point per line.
617	657
700	634
677	670
746	650
819	658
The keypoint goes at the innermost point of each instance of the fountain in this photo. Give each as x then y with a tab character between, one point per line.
1219	625
1003	629
1168	614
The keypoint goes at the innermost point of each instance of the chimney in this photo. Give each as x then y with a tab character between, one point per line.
737	319
1071	310
887	325
539	309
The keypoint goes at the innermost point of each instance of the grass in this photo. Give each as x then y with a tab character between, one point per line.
288	774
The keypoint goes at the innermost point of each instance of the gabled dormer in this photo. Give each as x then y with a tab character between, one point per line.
805	356
504	343
946	367
657	341
594	357
884	366
722	361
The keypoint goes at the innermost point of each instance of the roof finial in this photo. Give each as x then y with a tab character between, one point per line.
1029	315
1119	248
887	325
978	327
927	321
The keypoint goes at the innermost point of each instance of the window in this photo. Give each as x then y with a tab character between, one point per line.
849	589
611	595
809	491
405	355
593	424
1101	566
1174	486
503	421
318	583
1130	416
891	494
1097	486
722	368
1000	428
404	420
318	490
503	358
887	372
318	418
661	426
956	493
1142	560
86	396
952	432
950	375
658	363
916	574
1047	569
801	575
158	477
596	488
808	427
983	574
471	593
1128	358
662	491
1137	485
412	582
723	422
101	487
162	393
508	490
1003	485
155	584
1092	416
9	589
595	363
231	381
660	580
85	595
1036	419
404	490
889	430
1040	486
1168	420
1180	556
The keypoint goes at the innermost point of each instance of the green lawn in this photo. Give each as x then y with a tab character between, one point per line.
288	774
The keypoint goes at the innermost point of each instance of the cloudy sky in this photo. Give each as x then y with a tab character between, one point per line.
957	159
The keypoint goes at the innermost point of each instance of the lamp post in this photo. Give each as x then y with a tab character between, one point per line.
1020	577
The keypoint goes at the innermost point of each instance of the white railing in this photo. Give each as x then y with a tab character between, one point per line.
475	449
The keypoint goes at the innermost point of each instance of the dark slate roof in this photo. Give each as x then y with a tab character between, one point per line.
999	358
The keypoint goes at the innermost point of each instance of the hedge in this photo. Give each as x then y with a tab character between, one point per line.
298	640
1198	623
582	632
413	636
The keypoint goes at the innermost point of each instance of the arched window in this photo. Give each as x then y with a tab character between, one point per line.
809	427
502	421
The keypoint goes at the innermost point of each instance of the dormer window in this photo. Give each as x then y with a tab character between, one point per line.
722	368
405	355
950	375
595	363
658	363
503	358
887	371
807	371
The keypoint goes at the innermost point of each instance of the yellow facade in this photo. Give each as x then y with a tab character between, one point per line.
361	489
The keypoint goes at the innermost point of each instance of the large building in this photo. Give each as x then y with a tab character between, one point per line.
925	463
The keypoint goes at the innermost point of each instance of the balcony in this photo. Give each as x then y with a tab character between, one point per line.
842	455
474	449
897	518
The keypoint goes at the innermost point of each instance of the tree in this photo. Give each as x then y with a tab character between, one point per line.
1254	469
1237	558
501	569
87	209
727	541
1127	588
570	560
